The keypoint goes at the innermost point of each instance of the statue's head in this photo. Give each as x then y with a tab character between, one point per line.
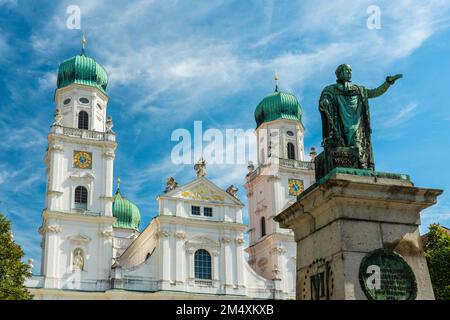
344	73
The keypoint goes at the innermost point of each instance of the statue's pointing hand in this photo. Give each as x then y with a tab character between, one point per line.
391	79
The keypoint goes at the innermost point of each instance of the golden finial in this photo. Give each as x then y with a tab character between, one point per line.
276	80
83	42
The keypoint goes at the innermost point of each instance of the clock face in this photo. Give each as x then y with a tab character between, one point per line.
295	187
82	159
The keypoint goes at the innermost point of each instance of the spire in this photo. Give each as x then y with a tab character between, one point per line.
118	185
83	43
276	80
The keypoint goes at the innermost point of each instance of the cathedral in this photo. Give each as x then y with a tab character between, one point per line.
93	246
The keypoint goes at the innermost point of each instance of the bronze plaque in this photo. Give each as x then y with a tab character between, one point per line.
385	275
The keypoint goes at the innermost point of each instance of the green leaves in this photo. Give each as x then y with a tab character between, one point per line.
12	270
437	252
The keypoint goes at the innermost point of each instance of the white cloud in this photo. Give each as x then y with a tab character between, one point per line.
174	67
3	176
265	40
47	80
23	138
401	115
439	213
8	2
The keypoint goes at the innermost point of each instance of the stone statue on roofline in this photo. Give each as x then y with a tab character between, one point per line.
346	130
232	190
200	168
171	184
58	117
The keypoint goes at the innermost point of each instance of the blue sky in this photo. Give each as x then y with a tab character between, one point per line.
173	62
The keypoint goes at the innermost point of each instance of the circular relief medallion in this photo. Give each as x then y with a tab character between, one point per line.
385	275
82	159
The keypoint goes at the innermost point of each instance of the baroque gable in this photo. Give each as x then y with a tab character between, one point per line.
202	189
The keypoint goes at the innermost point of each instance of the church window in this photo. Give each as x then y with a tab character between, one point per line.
291	151
67	101
83	120
202	260
195	210
290	133
263	226
80	197
207	212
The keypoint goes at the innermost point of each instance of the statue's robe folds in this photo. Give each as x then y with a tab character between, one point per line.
346	119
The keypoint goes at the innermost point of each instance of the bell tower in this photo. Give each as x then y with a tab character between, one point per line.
77	220
282	174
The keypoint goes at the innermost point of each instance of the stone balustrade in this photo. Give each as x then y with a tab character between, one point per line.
86	134
285	163
296	164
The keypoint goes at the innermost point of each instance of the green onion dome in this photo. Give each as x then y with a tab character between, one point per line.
278	105
127	213
82	70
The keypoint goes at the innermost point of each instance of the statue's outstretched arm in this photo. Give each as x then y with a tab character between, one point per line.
390	80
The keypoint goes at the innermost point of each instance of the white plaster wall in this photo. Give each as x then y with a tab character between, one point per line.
225	210
122	239
87	235
96	108
65	178
171	264
274	134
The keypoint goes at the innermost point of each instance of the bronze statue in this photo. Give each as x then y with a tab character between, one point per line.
346	130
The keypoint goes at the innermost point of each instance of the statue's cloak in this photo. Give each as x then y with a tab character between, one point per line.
346	120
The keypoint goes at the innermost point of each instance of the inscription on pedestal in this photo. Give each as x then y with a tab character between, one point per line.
318	283
385	275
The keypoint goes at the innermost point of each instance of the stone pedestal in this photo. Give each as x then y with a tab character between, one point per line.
344	218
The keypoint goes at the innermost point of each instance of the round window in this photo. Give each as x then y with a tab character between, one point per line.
99	106
84	100
67	101
290	133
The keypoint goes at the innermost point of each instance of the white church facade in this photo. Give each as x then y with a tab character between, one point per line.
194	248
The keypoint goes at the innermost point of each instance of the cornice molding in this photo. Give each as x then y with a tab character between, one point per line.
82	176
47	214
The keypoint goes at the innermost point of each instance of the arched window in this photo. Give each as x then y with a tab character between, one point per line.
202	260
291	151
83	120
80	197
263	226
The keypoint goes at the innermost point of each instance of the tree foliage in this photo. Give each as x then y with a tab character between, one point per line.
12	270
437	252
